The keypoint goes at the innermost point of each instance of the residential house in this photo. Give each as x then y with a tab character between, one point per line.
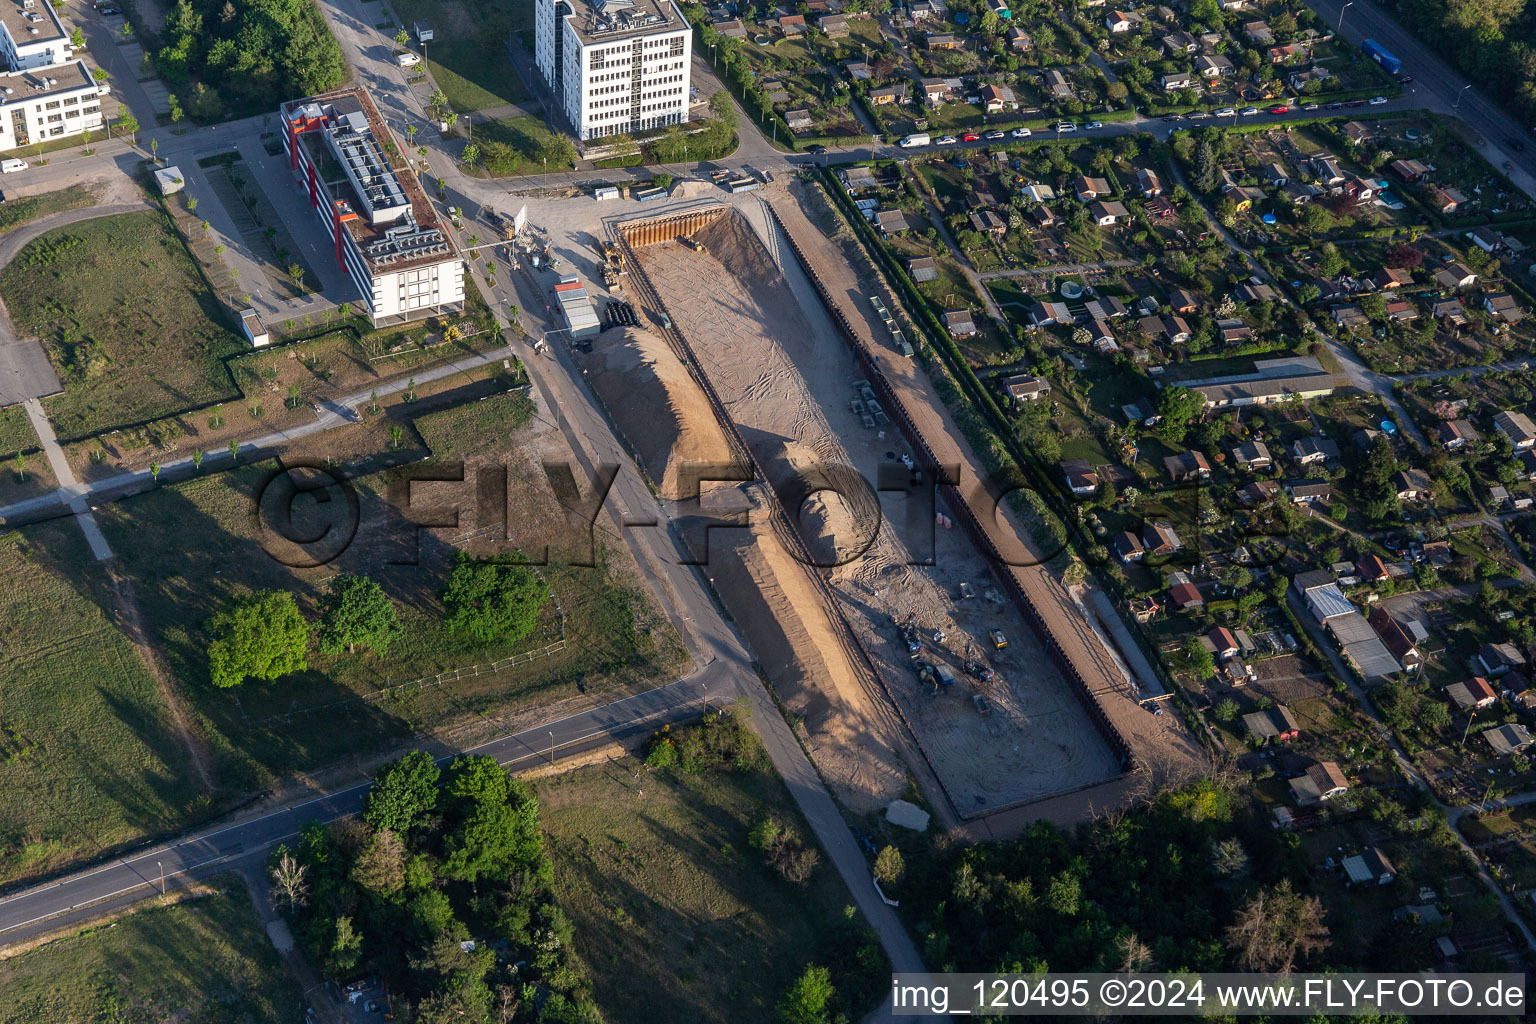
1499	659
1178	82
1160	540
731	29
1454	276
1350	317
1298	80
1411	485
1388	278
858	70
1147	182
1472	695
923	10
1250	292
1289	52
888	95
1088	189
1026	387
1040	193
1408	171
1107	214
792	25
988	223
1043	313
1221	643
1456	435
857	178
1371	568
1274	723
1258	31
959	323
1502	306
1101	337
1516	427
1057	85
1401	310
1396	638
1138	412
1187	466
1159	207
1183	301
1184	596
798	120
1369	868
1326	169
923	268
1320	783
1122	21
1446	200
1308	492
1315	451
834	25
1485	238
1019	40
1357	133
1212	66
942	41
1451	313
1253	456
1274	173
1508	740
1128	548
1179	43
891	222
1175	329
996	98
1080	477
1106	307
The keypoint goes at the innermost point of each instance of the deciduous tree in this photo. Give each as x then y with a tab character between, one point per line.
262	636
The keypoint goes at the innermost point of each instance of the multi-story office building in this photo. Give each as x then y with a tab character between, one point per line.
616	66
45	93
386	235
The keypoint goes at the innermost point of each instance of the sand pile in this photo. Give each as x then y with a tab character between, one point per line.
658	406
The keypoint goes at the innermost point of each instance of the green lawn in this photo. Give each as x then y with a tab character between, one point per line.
525	135
466	56
16	433
676	915
206	960
87	755
128	322
195	546
16	212
475	75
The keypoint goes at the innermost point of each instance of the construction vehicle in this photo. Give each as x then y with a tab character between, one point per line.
935	674
999	641
613	264
967	592
980	671
983	706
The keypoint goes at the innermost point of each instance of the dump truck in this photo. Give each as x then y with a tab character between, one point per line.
999	641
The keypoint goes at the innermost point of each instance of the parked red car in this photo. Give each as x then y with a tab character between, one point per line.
1282	109
969	137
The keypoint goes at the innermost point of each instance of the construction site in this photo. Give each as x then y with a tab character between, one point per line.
906	656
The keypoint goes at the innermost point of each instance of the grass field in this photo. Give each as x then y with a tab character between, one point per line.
16	212
195	546
16	433
127	320
466	56
87	758
525	135
206	960
677	917
469	429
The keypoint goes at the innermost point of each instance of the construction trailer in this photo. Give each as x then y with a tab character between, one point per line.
576	304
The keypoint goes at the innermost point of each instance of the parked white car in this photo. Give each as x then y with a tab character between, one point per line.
1020	133
408	59
1226	112
7	166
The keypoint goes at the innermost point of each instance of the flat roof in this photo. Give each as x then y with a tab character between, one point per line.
415	238
21	86
20	26
596	22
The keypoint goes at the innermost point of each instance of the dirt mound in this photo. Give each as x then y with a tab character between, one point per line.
731	240
658	406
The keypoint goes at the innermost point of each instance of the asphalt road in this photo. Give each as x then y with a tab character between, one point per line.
206	853
1436	85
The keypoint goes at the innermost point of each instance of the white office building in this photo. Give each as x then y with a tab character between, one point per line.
386	235
45	93
616	67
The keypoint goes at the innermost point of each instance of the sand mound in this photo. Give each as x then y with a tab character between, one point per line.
692	188
658	406
731	240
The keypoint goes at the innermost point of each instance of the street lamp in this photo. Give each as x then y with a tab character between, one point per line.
551	746
1457	106
1340	26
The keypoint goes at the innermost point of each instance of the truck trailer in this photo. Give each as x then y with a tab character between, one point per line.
1381	55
